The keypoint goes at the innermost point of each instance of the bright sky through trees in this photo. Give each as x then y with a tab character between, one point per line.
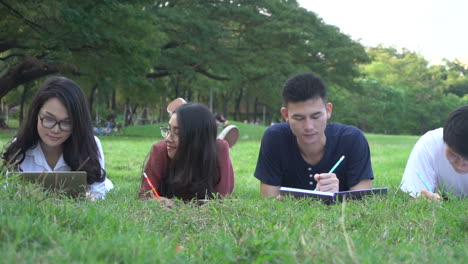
434	28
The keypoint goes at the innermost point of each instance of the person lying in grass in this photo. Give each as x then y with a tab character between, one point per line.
438	162
57	135
301	152
230	133
190	163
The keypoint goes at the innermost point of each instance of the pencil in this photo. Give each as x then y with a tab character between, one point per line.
424	182
151	185
337	164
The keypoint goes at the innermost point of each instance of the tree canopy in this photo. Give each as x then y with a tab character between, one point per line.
142	54
401	93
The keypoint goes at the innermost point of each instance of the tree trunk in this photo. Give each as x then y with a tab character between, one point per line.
188	90
133	111
238	102
26	87
176	86
130	112
255	109
143	119
247	109
113	100
163	112
3	114
91	98
127	114
3	124
189	95
225	105
29	70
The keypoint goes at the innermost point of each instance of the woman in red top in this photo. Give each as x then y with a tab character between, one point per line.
190	163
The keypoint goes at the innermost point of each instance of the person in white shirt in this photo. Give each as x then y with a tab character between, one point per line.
57	135
440	157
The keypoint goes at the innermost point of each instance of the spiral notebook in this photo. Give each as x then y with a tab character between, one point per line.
330	198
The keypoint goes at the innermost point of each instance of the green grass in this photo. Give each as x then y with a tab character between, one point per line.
36	227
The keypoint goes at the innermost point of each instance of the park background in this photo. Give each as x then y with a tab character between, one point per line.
132	58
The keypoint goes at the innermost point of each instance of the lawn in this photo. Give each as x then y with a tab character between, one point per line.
246	228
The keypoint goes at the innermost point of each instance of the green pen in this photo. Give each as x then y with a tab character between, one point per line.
334	167
337	164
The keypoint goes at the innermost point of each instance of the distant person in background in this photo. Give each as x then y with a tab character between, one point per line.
172	106
440	157
190	163
300	152
98	131
221	121
110	124
57	135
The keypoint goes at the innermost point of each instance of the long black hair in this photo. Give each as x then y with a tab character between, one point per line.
194	170
80	150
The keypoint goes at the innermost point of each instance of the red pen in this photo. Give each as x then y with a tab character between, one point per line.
151	185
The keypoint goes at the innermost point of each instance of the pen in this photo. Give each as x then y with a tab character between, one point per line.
334	167
151	185
424	182
337	164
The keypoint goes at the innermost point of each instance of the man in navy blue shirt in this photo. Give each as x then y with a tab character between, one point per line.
300	152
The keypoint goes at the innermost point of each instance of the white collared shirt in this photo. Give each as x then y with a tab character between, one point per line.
35	160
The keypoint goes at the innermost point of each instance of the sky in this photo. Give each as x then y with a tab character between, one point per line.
433	28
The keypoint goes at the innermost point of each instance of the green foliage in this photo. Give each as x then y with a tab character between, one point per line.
45	228
375	107
457	78
143	54
151	52
105	46
401	94
399	70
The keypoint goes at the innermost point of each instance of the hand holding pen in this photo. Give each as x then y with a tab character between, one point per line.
428	192
163	201
151	186
328	182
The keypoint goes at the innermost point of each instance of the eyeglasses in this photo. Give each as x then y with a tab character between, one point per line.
48	122
166	131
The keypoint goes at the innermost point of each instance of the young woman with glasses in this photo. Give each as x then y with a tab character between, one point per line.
57	135
190	163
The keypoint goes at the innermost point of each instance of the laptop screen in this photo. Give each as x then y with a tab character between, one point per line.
72	183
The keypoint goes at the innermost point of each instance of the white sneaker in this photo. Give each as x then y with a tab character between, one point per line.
230	134
174	104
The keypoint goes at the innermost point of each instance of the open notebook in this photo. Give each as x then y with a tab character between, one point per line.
328	197
72	183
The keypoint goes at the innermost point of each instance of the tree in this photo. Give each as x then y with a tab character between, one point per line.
144	52
417	92
85	39
457	78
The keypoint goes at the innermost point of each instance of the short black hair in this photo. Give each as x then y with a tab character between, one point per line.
302	87
456	131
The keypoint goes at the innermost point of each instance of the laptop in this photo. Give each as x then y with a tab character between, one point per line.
71	183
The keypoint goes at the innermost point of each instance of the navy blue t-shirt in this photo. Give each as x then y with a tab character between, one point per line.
280	162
